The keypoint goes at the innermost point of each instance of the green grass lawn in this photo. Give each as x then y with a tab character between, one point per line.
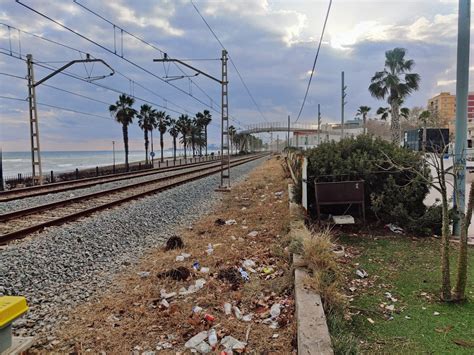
410	271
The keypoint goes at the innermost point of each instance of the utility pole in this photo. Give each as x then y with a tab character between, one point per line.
288	135
319	124
271	141
36	169
225	141
462	86
37	173
343	103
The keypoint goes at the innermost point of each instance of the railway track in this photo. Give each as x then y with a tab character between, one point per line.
18	224
39	190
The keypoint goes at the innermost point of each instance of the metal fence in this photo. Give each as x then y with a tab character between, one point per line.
23	180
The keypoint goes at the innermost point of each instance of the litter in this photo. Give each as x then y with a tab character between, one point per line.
274	336
275	310
407	317
209	318
230	222
179	258
196	340
166	295
352	289
248	263
390	307
204	270
362	273
196	265
237	312
143	274
199	284
230	343
252	234
164	345
212	338
210	249
390	297
436	313
268	270
394	228
345	219
197	309
165	303
219	222
371	321
203	348
247	318
227	308
279	193
174	242
244	274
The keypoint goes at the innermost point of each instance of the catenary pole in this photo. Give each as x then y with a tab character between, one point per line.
462	86
319	124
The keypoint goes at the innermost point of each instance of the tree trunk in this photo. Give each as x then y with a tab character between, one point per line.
125	143
205	137
174	148
184	144
395	124
193	145
145	132
161	145
364	117
460	288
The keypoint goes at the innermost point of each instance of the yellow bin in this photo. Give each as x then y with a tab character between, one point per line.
11	307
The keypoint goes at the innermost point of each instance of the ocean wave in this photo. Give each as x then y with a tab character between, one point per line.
64	165
15	160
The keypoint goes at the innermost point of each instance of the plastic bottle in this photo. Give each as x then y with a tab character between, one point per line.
212	338
227	308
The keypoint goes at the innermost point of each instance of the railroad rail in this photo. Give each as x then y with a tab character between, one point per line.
31	191
14	225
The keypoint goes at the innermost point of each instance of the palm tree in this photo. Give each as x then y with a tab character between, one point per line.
363	111
124	114
231	130
146	120
174	132
195	133
205	118
384	112
395	83
162	122
183	125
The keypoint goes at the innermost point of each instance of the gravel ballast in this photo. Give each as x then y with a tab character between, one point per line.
28	202
67	265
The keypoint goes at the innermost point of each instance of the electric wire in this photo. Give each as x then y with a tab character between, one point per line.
231	62
314	63
57	107
112	52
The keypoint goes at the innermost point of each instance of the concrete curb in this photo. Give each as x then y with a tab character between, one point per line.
312	330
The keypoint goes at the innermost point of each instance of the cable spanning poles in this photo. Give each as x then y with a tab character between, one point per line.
314	63
225	139
112	52
231	62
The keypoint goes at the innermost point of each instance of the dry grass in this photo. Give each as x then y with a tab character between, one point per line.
130	316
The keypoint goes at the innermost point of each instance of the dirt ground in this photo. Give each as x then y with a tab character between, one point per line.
134	317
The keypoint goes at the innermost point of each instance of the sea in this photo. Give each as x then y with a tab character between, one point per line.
15	163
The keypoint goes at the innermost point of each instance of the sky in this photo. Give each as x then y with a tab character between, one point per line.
272	44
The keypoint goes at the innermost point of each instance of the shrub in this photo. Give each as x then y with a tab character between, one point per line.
391	195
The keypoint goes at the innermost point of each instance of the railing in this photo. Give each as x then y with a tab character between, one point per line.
23	180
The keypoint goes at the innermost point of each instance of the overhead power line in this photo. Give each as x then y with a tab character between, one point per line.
315	60
231	62
57	107
114	53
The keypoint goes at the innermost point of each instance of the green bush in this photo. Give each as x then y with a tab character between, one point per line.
391	195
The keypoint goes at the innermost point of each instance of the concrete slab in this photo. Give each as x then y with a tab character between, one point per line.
19	345
313	333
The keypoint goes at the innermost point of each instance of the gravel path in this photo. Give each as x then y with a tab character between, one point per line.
53	197
69	264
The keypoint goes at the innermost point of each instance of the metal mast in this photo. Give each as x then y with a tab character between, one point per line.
225	141
37	172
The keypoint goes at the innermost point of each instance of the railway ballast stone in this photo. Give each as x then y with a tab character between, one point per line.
70	264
